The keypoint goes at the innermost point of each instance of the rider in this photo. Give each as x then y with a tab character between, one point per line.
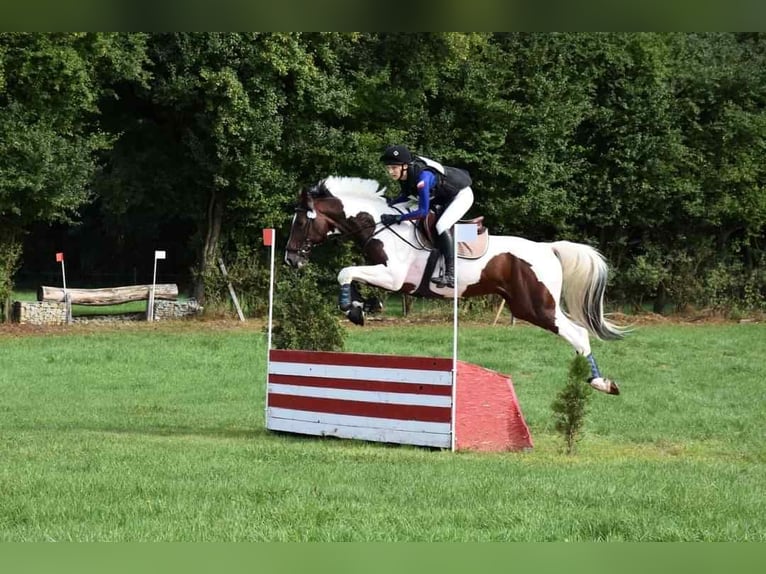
436	184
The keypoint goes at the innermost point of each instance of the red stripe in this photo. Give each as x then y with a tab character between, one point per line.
361	360
362	409
358	385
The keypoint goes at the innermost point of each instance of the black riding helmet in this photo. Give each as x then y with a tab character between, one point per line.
396	154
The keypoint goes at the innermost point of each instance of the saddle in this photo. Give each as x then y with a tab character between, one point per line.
426	233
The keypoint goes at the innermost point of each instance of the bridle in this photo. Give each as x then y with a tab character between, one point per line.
304	250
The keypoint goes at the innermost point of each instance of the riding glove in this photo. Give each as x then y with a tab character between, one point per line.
390	218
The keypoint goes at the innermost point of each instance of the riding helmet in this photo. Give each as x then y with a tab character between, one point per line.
396	154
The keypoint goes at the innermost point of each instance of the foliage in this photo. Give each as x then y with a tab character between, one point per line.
50	89
648	146
248	274
303	316
571	404
10	253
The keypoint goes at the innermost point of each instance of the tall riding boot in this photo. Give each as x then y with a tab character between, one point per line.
446	246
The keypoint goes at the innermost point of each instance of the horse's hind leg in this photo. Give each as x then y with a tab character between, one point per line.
579	339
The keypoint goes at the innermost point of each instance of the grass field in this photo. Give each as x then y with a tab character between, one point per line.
155	432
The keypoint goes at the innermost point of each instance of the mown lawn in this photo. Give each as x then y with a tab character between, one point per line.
155	432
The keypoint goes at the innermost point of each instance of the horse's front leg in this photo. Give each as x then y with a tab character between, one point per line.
376	275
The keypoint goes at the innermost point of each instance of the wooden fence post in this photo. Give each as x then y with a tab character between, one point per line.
231	289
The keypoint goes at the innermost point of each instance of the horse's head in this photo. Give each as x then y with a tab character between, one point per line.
349	206
317	215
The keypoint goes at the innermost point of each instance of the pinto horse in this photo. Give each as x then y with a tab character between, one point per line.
531	277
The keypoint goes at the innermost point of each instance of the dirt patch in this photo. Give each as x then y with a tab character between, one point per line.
11	330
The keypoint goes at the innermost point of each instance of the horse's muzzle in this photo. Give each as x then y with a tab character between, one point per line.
295	259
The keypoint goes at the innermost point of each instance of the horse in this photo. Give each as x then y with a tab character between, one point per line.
558	286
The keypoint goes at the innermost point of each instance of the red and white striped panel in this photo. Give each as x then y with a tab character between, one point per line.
382	398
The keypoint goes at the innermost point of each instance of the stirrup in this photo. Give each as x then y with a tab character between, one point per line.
444	281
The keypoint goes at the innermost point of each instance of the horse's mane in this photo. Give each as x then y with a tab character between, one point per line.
353	187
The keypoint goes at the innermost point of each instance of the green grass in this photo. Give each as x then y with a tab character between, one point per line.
155	432
117	309
24	295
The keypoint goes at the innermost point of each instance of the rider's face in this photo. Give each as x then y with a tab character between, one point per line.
397	171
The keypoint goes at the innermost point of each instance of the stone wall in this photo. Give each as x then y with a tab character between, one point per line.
165	310
38	313
47	313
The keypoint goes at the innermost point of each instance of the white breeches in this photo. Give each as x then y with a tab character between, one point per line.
455	210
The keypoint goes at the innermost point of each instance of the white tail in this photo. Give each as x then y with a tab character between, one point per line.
584	282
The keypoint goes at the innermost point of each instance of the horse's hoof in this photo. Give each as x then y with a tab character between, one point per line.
356	316
607	386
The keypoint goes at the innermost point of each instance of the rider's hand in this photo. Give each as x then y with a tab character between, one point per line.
390	218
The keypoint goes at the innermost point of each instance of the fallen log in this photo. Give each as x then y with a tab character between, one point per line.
108	295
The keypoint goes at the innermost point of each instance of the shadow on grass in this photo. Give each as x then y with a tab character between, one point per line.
217	433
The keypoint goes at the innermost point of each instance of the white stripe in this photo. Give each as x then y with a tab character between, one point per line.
363	396
357	421
360	433
416	376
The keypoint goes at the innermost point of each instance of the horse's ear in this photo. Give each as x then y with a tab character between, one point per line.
318	190
307	199
307	196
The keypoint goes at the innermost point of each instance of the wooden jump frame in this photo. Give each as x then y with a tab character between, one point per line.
107	295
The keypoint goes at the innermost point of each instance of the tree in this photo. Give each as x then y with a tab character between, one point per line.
204	142
50	89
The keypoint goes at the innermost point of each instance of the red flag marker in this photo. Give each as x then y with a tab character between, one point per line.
268	237
59	257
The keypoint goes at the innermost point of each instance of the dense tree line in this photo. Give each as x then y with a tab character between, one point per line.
648	146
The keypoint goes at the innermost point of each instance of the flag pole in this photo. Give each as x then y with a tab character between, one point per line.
268	240
67	301
462	232
63	274
454	337
150	307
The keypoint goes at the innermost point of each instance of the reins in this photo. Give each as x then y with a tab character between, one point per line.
363	246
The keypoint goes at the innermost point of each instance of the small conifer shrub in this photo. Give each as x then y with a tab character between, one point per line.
571	404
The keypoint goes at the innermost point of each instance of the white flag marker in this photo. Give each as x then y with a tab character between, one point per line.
150	305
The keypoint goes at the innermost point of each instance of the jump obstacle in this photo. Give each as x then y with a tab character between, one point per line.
421	401
393	399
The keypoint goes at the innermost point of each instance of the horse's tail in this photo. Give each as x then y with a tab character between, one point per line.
583	286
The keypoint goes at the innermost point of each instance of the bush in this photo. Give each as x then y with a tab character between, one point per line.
304	316
248	272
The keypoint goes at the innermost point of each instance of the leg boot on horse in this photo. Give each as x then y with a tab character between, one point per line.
447	247
351	303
